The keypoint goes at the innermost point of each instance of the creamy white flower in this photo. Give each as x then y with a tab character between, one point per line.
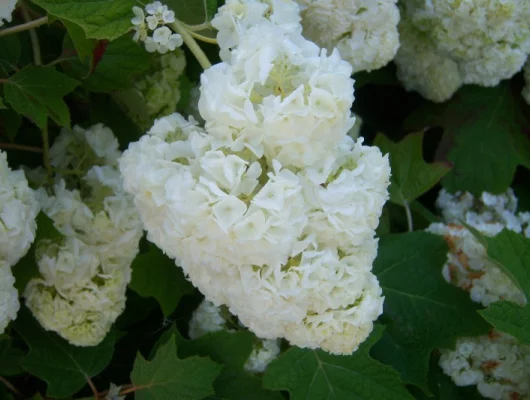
496	363
364	31
280	96
9	304
481	41
6	9
205	319
526	89
18	210
289	253
262	355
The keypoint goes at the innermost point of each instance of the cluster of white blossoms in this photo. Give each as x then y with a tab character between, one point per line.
496	363
209	318
18	210
84	271
447	44
158	16
157	93
526	89
6	10
364	31
468	265
272	209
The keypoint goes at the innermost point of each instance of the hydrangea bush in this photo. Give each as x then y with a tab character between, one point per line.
264	199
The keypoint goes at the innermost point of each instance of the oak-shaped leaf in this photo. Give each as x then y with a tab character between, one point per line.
315	374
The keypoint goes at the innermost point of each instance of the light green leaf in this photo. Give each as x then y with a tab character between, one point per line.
82	45
511	252
315	374
122	59
101	19
484	136
10	357
421	309
64	367
156	275
411	175
37	93
167	377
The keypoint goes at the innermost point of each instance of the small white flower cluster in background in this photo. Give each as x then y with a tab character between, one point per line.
157	92
468	265
18	210
496	363
364	31
271	209
445	45
526	89
6	9
208	318
158	16
85	271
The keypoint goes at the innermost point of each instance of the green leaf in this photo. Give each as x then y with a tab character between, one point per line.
193	12
315	374
411	175
10	122
2	106
511	252
484	137
156	275
64	367
37	93
11	357
167	377
421	309
27	268
10	50
122	59
83	45
100	19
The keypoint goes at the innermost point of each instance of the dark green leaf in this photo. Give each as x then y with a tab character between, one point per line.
9	54
10	122
37	93
156	275
64	367
122	59
101	19
411	175
484	136
315	374
422	310
82	45
193	12
10	357
167	377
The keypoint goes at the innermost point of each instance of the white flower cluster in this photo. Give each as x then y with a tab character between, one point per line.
447	44
18	210
158	16
468	265
496	363
208	318
85	271
526	89
364	31
157	92
6	9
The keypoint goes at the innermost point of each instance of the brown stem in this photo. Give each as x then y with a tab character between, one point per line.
11	387
131	390
21	147
93	387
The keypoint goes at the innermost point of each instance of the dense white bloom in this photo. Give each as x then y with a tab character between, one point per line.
364	31
6	9
9	304
18	210
158	15
84	274
280	96
496	363
236	17
289	253
262	355
526	90
476	42
157	92
468	265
